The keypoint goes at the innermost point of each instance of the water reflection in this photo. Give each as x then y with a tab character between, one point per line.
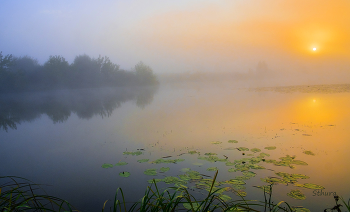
59	105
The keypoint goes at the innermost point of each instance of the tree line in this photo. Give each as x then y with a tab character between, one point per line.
26	74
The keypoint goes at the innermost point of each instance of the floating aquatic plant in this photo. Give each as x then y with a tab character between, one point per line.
232	141
143	160
107	165
124	174
133	153
150	172
184	177
185	169
230	164
156	180
193	205
212	168
164	169
161	160
255	150
308	153
310	186
225	197
270	148
243	149
216	142
210	153
265	188
121	164
212	158
296	194
193	152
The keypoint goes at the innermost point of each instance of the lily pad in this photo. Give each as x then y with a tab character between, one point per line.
212	169
143	160
301	210
308	153
124	174
310	186
193	152
299	162
255	150
265	188
164	169
133	153
161	160
107	165
241	193
270	147
121	164
225	198
243	149
229	164
232	141
296	194
216	142
184	177
150	172
152	180
195	206
185	169
210	153
235	182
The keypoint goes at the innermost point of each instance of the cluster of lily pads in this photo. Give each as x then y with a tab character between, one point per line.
245	165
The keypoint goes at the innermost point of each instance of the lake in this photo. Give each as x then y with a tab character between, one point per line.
63	138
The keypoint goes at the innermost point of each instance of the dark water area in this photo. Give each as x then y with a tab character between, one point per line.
63	138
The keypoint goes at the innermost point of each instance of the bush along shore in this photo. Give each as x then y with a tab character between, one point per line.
20	194
18	74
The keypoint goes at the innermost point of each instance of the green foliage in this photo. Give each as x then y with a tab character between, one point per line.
26	74
20	194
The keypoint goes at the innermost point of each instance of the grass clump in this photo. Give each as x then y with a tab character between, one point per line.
20	194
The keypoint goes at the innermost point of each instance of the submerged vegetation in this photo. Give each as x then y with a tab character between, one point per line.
19	74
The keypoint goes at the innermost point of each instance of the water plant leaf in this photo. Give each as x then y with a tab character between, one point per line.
272	180
212	169
310	186
194	175
232	141
161	160
308	153
216	142
225	198
270	147
157	180
210	153
235	182
164	169
185	169
195	206
249	174
299	162
193	152
296	194
262	155
133	153
230	164
124	174
150	172
121	164
243	149
107	165
143	160
240	193
255	150
184	177
301	210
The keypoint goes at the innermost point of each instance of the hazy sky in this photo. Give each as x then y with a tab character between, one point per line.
184	35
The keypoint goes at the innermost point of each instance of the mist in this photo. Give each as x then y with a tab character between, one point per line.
217	39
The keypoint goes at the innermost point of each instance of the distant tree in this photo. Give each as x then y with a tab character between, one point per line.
86	71
56	70
144	74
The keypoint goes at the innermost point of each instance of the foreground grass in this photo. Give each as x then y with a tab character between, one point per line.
19	194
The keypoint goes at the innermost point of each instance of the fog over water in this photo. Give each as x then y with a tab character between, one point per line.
260	86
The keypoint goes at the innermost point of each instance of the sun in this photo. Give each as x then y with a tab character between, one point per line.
314	49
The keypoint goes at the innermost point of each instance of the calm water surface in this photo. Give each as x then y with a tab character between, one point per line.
63	138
